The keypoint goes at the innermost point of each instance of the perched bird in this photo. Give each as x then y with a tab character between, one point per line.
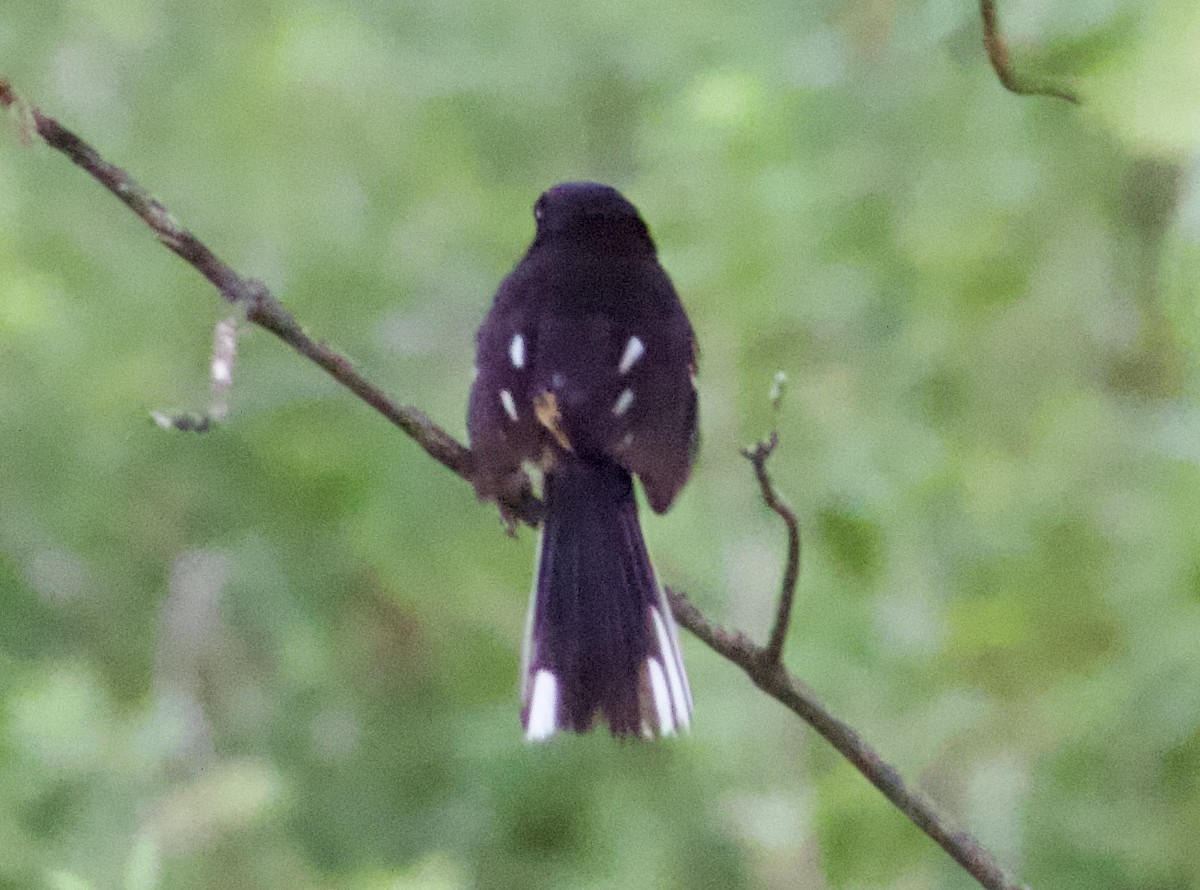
585	367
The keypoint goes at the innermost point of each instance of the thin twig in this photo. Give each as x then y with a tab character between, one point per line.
997	52
225	338
763	668
758	455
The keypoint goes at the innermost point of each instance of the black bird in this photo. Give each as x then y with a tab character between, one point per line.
585	367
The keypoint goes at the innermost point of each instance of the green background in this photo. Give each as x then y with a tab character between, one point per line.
284	654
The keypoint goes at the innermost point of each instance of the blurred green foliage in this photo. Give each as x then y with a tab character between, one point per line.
284	654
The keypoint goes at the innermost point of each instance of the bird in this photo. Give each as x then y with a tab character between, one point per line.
586	370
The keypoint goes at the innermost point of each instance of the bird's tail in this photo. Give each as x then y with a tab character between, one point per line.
600	638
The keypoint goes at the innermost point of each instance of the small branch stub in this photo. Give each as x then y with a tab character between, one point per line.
220	381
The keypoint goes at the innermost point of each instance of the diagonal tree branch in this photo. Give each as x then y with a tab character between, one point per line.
762	664
773	678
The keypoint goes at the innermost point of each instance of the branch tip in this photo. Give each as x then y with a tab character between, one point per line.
778	391
997	53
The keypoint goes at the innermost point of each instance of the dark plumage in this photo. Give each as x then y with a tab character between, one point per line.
585	366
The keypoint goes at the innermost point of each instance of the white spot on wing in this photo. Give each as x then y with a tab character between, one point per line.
510	406
557	381
666	646
516	351
624	400
634	350
543	707
662	698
